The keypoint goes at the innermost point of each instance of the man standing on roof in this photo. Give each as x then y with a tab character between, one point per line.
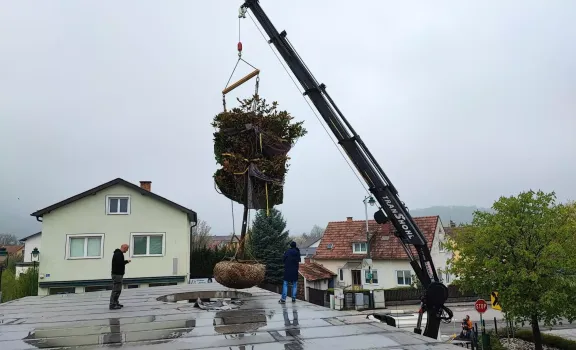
118	269
291	265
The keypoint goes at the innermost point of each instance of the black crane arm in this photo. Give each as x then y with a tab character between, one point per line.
391	207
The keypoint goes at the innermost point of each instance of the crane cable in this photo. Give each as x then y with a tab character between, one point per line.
310	106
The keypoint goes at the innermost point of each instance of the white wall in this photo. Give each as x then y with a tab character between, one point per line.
88	215
386	272
440	258
30	244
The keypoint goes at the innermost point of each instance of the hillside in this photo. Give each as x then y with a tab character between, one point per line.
458	214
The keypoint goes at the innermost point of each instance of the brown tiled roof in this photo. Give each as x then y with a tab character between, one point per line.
216	241
383	244
12	249
314	272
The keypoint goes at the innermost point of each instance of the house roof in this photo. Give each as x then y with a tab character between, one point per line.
311	240
12	249
383	244
191	214
217	240
32	235
313	272
307	251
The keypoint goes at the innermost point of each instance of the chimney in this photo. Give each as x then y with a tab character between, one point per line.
349	219
147	185
307	260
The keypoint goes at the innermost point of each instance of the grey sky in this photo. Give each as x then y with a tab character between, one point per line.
460	101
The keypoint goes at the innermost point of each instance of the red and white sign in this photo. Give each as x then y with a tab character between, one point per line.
481	306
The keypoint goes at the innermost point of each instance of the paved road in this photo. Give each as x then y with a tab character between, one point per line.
461	310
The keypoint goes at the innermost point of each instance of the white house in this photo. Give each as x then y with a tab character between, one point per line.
80	234
344	246
30	242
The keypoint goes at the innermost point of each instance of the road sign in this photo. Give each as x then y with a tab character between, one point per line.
495	301
481	306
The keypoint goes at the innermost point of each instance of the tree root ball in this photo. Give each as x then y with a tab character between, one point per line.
239	275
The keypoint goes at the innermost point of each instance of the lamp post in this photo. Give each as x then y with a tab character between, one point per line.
368	200
3	257
35	255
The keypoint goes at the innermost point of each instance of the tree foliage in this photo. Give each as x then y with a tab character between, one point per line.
8	239
315	232
268	241
524	249
14	288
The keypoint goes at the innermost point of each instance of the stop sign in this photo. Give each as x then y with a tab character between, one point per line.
481	306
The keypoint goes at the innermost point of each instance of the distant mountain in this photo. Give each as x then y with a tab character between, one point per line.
458	214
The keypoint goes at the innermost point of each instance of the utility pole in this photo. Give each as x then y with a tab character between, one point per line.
368	200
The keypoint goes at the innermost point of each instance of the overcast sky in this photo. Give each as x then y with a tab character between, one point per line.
460	101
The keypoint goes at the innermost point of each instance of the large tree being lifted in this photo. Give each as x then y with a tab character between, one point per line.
251	145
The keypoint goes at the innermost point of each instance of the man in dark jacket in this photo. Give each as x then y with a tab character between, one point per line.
118	269
291	265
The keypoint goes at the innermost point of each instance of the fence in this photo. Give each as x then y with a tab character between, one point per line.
316	296
407	296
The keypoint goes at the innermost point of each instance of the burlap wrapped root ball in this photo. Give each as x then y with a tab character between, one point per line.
239	275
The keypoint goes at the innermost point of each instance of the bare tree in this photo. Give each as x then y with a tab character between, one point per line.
199	235
8	239
316	232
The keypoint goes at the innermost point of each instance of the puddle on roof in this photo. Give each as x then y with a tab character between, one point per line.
115	333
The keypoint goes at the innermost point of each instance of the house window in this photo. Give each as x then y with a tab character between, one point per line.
88	289
162	284
341	275
148	244
374	276
62	290
441	247
404	278
118	205
359	248
84	246
439	273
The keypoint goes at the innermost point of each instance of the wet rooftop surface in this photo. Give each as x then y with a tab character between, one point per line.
83	321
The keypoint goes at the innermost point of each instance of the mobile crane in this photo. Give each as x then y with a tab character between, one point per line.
391	207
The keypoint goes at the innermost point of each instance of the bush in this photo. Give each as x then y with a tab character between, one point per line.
548	339
203	260
14	288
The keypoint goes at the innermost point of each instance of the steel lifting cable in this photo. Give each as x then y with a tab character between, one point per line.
255	73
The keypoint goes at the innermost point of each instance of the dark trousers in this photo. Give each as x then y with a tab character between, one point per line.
116	289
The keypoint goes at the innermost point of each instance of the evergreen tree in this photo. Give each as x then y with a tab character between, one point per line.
268	242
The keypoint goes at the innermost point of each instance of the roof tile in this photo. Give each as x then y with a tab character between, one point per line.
383	244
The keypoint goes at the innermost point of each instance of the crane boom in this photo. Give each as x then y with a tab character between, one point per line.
391	207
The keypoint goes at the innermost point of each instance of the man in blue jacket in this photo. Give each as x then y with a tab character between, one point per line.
291	265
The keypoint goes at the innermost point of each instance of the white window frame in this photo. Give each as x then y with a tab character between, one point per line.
120	196
373	283
403	277
147	234
85	236
360	246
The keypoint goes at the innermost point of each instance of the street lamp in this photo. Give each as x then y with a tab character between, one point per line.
368	200
35	255
3	257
